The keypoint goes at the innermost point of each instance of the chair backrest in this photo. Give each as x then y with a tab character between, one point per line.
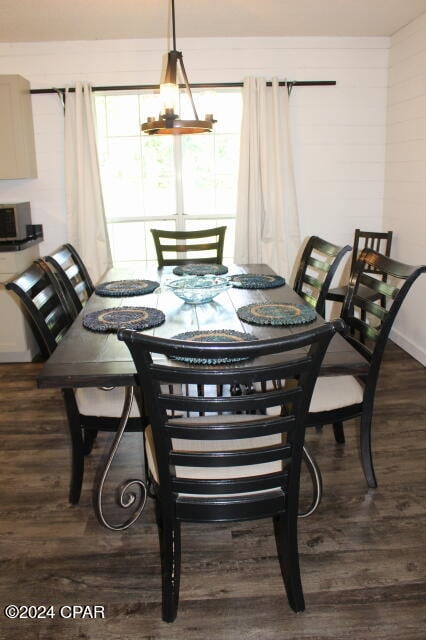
44	302
236	437
189	244
318	265
72	274
369	321
377	240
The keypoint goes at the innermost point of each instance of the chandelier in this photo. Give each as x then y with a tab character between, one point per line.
168	121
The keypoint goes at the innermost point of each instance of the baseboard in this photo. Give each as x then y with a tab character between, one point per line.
413	349
16	356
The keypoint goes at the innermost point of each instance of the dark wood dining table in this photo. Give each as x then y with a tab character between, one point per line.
85	358
88	359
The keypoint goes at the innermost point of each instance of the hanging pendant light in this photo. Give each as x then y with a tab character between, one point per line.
169	121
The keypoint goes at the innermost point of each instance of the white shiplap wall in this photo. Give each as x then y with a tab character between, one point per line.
338	132
405	182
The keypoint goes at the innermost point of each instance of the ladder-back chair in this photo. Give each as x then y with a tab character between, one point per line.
188	247
340	398
318	265
221	457
72	275
89	410
378	241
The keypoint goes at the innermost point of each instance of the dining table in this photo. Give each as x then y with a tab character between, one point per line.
86	358
91	358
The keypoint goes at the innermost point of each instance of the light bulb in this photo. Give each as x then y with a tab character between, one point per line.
169	95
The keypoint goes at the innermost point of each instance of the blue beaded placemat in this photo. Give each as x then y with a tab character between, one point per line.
277	313
200	269
213	336
256	281
126	288
110	320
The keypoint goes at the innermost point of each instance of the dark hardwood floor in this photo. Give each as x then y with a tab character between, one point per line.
362	553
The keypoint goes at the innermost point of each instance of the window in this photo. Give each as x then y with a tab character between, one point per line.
166	182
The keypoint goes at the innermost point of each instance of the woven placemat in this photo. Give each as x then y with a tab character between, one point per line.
276	313
126	288
214	336
200	269
110	320
256	281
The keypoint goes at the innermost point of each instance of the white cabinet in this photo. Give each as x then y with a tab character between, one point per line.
17	147
17	342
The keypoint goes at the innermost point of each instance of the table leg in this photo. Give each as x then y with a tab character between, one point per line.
125	498
316	483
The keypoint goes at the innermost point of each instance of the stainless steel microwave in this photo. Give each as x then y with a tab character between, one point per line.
15	221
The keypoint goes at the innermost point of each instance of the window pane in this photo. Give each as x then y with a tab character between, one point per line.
101	120
132	241
192	224
226	153
227	110
158	175
127	241
123	115
198	174
226	194
121	175
228	246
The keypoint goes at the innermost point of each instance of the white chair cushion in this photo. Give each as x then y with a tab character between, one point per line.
212	473
333	392
92	401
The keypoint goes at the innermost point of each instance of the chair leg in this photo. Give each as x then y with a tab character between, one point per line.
366	453
77	471
288	554
89	440
77	446
169	532
339	434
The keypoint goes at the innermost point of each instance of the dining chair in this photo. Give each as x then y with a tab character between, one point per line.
89	410
377	240
72	275
337	399
317	267
186	246
222	458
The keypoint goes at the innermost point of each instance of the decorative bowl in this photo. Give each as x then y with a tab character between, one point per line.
199	289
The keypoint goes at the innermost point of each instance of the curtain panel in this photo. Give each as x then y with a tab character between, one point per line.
87	229
267	221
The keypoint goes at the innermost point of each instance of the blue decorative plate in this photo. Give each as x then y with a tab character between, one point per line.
126	288
277	313
215	335
110	320
200	269
256	281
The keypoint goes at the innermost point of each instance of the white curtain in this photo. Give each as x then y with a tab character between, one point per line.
267	222
87	229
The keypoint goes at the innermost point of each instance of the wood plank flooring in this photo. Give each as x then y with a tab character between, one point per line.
362	553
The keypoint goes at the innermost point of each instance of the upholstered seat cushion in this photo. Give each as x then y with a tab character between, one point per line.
210	473
333	392
92	401
330	392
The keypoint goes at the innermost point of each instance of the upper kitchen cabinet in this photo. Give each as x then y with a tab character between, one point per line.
17	148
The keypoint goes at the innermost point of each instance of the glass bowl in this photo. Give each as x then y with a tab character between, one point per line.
199	289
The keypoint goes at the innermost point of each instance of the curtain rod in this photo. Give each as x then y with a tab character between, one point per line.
210	85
